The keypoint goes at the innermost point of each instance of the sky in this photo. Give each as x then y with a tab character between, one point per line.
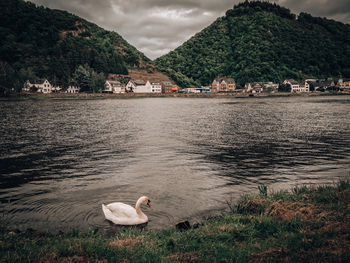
155	27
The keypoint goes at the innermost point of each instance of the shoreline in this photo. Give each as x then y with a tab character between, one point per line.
305	224
94	96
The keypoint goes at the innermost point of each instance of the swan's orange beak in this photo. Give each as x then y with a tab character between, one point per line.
149	203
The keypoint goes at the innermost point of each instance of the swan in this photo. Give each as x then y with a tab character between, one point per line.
123	214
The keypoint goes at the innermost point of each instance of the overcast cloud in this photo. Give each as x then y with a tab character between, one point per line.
156	27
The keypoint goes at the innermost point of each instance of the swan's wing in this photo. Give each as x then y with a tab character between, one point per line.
122	210
122	214
108	214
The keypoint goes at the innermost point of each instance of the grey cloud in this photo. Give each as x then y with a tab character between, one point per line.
336	9
156	27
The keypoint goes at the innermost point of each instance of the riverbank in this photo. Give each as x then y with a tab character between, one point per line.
92	96
307	224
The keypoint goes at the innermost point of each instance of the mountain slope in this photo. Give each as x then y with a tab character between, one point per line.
259	41
38	42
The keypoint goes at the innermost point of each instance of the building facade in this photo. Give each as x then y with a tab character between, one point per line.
223	85
156	86
113	86
138	86
43	86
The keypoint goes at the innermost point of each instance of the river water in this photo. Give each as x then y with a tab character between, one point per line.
61	159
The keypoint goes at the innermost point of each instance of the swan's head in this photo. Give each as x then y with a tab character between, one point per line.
146	200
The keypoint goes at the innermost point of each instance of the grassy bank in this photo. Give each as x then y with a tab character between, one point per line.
306	224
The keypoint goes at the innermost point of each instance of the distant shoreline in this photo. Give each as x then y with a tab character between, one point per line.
93	96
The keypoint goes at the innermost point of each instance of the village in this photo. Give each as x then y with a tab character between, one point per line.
219	85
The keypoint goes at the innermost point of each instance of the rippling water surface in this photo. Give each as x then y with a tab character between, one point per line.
60	160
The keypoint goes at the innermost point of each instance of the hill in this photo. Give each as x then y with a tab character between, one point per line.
260	41
38	42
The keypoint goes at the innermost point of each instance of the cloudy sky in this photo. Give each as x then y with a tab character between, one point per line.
156	27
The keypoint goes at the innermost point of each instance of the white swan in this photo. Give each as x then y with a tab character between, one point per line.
123	214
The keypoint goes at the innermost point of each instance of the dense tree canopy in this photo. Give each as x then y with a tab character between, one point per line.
260	41
37	42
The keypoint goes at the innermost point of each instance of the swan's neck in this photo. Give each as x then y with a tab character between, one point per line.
138	207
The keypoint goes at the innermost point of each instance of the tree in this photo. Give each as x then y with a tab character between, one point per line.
97	81
284	88
82	77
312	86
33	89
27	74
7	75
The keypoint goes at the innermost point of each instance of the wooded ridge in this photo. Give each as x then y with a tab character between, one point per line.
38	42
260	41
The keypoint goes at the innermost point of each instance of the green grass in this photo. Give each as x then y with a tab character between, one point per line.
251	232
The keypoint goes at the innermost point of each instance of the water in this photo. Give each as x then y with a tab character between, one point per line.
61	159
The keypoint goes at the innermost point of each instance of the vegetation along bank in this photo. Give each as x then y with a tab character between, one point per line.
307	224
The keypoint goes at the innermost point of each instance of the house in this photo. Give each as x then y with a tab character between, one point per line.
303	87
27	86
294	85
43	86
254	87
223	84
204	89
72	89
346	83
324	84
257	87
138	86
113	86
340	83
270	86
168	87
248	87
156	86
311	80
191	90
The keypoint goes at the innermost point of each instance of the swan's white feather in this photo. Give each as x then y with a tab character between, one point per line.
122	210
123	214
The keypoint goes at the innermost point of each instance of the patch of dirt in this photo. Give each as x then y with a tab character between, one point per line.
184	257
300	210
127	243
53	258
141	74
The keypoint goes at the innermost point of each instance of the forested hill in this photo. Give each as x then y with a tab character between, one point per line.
38	42
260	41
